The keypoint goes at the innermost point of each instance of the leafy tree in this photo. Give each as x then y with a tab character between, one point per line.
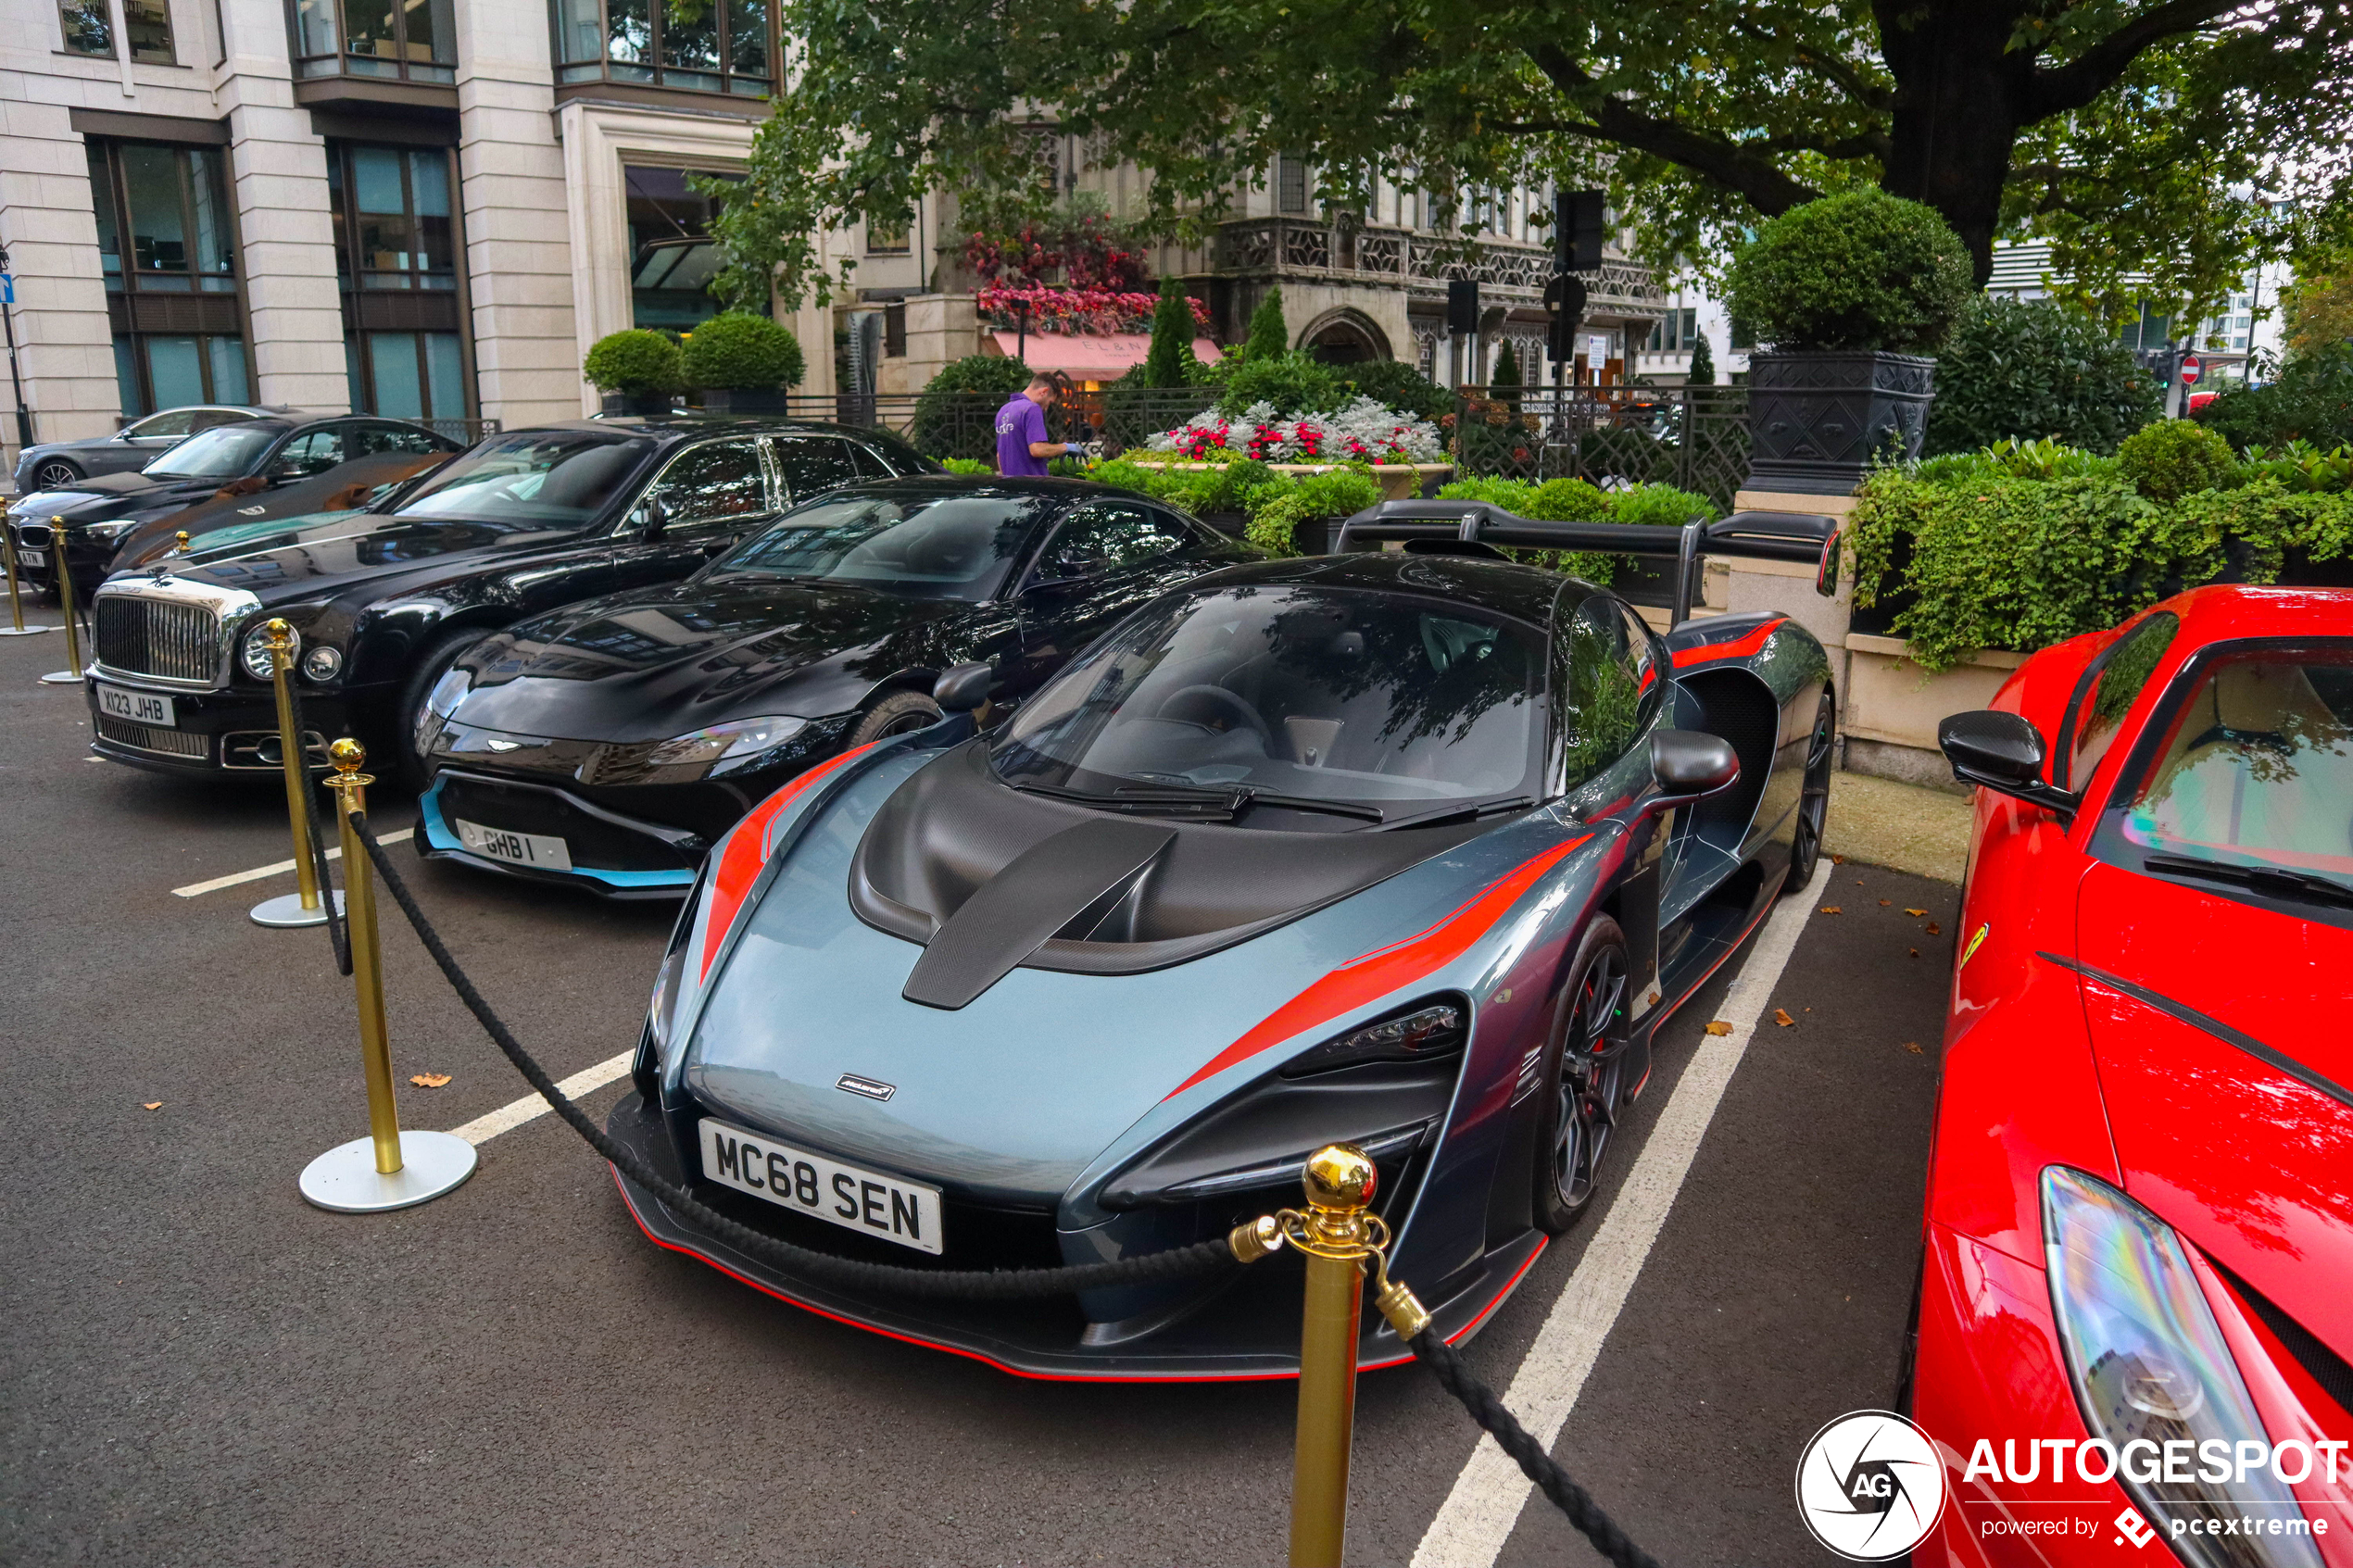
2142	136
2319	310
2311	400
1269	335
1703	371
1172	337
1505	378
2026	370
953	417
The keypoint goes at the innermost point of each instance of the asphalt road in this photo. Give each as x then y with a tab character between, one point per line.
200	1367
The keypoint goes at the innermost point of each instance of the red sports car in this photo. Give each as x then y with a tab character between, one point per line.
2136	1305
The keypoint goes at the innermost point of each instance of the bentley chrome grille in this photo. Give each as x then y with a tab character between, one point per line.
169	640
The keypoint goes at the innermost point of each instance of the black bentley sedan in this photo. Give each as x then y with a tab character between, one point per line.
385	599
609	745
253	453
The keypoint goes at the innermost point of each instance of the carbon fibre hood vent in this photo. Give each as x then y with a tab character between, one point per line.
989	879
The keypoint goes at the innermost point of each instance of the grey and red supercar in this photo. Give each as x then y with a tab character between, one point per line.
1412	848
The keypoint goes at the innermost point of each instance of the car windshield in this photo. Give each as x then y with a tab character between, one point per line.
2256	767
223	452
950	546
547	479
1391	701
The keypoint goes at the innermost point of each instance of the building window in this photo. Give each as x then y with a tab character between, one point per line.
1677	332
672	255
696	45
1290	184
147	25
169	260
88	26
397	40
396	264
889	236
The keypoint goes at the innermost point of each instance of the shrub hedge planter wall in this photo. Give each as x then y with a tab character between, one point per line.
641	403
1816	421
737	400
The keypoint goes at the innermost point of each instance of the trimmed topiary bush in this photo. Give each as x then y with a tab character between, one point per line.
740	352
634	361
1269	335
2031	371
1703	371
2173	458
954	417
1860	272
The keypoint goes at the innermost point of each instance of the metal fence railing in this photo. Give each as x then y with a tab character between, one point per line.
461	429
964	424
1693	437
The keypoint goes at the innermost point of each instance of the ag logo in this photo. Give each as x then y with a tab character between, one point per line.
2130	1524
1870	1486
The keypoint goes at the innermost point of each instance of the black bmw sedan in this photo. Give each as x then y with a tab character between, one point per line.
384	598
251	453
609	745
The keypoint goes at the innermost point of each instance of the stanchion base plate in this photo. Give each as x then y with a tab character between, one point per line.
62	678
23	630
345	1180
285	912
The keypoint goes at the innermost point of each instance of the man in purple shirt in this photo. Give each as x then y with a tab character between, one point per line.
1022	446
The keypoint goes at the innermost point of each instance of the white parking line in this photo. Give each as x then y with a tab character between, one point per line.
1477	1516
506	1118
278	868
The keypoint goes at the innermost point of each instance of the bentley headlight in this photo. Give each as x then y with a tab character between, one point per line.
2165	1403
254	652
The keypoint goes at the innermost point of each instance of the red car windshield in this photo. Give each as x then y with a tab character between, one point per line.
2255	767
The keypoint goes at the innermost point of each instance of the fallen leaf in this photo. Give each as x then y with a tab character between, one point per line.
1858	881
1914	1046
1718	1026
1915	952
1883	903
1934	929
1838	860
430	1080
1782	1017
1915	913
1833	910
151	1105
1809	1010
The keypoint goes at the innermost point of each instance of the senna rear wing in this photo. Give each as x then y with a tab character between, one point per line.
1804	537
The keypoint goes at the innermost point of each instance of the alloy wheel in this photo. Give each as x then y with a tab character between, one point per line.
1592	1079
1814	805
55	475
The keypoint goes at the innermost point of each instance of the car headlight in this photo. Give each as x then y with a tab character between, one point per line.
442	701
321	662
1422	1032
108	533
2155	1382
254	652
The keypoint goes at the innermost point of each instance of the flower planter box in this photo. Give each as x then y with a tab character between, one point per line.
737	400
1817	420
1399	481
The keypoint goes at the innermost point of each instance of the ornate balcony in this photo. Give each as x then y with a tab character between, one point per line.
1508	272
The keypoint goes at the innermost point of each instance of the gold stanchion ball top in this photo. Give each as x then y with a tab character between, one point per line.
1339	1176
348	755
278	631
180	542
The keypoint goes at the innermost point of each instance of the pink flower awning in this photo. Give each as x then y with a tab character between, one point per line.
1090	356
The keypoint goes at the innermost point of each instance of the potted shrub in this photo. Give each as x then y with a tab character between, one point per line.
638	371
1853	293
742	364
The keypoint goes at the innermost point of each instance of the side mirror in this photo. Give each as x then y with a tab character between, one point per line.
1689	765
963	687
2004	753
656	518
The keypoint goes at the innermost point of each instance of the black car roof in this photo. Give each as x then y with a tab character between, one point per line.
680	426
1523	593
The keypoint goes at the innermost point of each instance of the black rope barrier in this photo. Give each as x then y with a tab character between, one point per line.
337	936
997	1285
1446	1364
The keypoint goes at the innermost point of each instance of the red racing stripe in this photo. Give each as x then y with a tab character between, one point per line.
1739	648
747	851
1371	975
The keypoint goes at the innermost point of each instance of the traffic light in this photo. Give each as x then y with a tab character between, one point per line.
1578	221
1462	306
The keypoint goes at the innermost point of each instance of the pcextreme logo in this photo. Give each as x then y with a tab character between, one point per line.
1870	1486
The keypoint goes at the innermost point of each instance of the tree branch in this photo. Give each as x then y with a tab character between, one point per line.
1727	163
1871	94
2076	84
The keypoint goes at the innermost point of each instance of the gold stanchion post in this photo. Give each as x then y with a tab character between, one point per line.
1337	1235
72	675
301	907
388	1169
15	627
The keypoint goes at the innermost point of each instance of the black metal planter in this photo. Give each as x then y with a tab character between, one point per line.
639	403
1817	420
767	400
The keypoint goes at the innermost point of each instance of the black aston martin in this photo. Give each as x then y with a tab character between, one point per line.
609	744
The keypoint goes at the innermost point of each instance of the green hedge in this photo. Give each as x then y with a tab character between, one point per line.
635	360
2310	400
737	351
2033	370
1573	500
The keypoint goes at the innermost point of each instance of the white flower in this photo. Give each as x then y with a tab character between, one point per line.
1363	429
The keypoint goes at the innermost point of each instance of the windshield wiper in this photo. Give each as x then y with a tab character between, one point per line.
2275	882
1448	814
1215	804
1311	803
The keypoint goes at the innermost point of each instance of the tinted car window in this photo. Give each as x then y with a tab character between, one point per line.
314	451
712	482
902	458
223	452
545	479
172	422
1598	700
869	465
2107	693
1333	695
812	465
1107	536
205	418
933	547
370	438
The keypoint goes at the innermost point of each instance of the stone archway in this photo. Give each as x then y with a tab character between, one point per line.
1345	337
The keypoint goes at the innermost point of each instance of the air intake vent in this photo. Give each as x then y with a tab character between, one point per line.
146	737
